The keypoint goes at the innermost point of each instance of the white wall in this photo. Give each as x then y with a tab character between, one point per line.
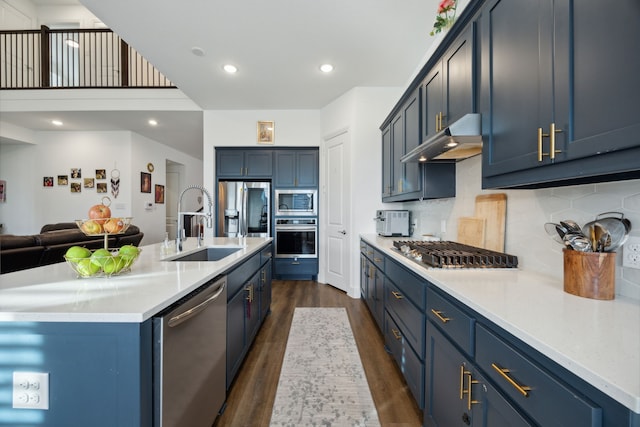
361	112
30	205
528	210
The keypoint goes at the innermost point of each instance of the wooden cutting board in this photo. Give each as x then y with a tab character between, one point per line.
493	209
471	231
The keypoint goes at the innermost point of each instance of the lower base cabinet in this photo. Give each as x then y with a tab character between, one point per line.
295	268
249	287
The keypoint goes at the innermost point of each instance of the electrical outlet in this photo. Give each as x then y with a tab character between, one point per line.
631	253
31	390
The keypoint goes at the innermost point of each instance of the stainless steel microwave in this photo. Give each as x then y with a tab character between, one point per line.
296	202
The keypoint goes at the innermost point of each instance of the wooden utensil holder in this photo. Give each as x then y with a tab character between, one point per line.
590	274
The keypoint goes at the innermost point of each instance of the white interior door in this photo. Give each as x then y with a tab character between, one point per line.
171	199
338	212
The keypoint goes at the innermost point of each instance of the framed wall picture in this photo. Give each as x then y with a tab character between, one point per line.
159	193
101	187
76	187
266	132
101	174
47	181
145	182
76	173
63	179
89	182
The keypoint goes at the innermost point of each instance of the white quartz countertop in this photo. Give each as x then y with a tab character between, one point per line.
53	293
599	341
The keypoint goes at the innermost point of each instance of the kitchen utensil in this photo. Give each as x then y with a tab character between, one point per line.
555	231
570	225
493	209
614	226
578	242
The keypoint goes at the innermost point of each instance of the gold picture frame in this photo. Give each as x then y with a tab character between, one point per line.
265	133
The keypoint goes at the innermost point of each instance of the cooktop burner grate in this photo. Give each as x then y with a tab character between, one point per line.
445	254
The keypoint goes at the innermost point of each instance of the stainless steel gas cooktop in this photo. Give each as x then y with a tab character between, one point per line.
445	254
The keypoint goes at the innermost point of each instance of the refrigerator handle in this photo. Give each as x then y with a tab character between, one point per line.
243	214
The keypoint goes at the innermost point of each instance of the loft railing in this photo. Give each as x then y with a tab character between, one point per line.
92	58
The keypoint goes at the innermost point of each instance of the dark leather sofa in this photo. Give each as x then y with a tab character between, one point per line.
49	247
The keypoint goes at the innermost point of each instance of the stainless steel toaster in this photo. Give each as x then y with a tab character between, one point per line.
392	223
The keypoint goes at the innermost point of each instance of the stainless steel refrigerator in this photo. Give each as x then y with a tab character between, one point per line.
244	209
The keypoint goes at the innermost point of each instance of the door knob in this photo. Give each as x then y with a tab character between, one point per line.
343	232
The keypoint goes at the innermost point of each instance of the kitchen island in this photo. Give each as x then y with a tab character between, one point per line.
94	336
595	342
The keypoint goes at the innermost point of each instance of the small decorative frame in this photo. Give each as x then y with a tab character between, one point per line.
63	179
266	132
159	193
47	181
101	187
76	187
76	173
89	182
101	174
145	182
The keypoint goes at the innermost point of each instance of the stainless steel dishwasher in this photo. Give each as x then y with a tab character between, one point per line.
190	358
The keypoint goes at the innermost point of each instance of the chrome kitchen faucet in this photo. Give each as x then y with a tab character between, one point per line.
208	216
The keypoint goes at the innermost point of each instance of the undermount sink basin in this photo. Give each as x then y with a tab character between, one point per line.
207	254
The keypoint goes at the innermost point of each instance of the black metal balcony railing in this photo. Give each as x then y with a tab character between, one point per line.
94	58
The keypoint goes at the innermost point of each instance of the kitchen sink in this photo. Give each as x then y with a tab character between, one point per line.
207	254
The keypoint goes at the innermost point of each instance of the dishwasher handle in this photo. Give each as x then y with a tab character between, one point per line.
186	315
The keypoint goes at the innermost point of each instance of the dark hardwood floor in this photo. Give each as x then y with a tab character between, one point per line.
251	397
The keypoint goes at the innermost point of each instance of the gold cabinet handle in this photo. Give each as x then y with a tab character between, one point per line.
369	252
552	141
439	315
437	122
377	259
398	295
541	135
462	372
441	122
470	400
396	334
503	373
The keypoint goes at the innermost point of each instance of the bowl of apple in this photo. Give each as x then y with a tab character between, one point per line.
100	221
101	262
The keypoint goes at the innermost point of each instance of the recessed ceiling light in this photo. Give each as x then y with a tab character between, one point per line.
231	69
326	68
56	122
197	51
153	122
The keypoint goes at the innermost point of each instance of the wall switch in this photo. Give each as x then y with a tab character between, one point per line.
148	206
31	390
631	253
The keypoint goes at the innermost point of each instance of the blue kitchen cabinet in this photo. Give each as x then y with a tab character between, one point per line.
296	168
559	99
248	300
244	163
100	374
448	90
295	268
372	281
456	394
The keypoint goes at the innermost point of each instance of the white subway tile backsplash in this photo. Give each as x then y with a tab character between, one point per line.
528	210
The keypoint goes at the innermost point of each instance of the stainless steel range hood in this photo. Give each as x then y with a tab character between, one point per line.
458	141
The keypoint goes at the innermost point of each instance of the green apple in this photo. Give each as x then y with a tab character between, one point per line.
86	268
129	251
100	257
113	265
76	253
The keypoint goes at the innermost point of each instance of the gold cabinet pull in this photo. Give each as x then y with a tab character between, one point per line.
437	122
503	372
441	122
398	295
552	141
439	315
377	259
541	135
396	334
462	372
470	400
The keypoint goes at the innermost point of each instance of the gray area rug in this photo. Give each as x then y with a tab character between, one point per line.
322	382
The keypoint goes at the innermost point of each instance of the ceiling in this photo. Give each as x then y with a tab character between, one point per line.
277	45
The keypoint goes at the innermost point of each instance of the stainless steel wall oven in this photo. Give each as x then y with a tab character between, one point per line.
296	238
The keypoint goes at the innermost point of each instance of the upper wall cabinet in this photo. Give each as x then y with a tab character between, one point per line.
296	168
243	163
410	181
449	87
559	97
